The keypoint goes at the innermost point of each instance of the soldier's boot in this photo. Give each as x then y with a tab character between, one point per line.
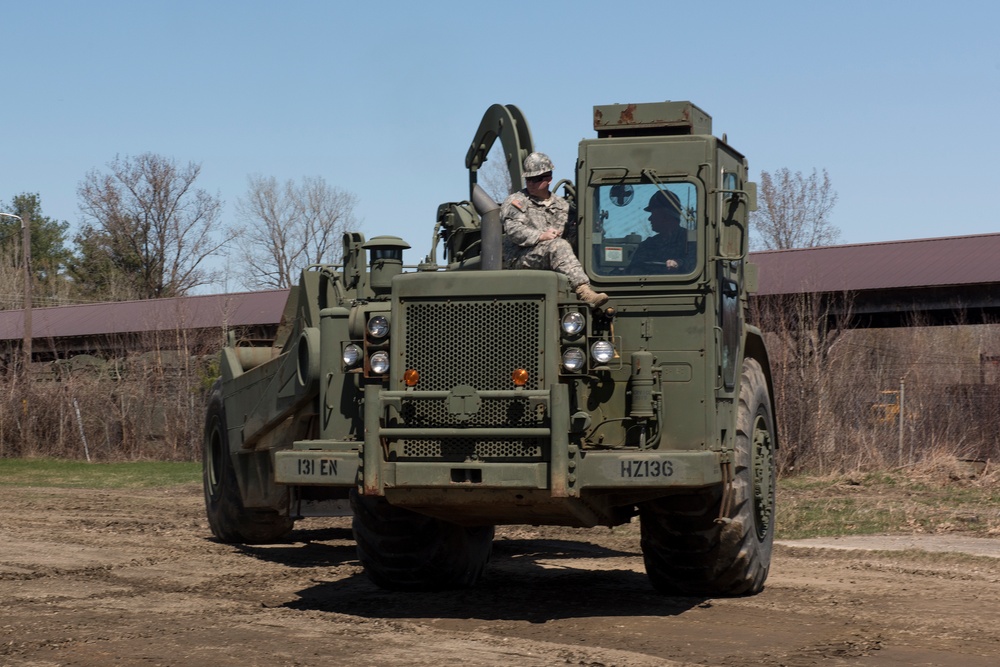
589	296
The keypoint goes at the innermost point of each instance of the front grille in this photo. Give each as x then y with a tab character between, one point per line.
475	343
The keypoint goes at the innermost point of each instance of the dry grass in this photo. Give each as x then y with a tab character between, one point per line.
940	494
838	391
146	406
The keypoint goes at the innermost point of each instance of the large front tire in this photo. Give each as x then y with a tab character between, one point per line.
405	551
686	548
229	520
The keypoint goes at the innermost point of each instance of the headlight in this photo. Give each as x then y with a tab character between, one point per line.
602	351
573	323
352	354
573	359
378	327
379	363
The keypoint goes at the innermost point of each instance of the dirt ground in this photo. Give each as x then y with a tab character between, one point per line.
93	577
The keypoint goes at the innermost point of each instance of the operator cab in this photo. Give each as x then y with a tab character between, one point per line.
661	219
645	189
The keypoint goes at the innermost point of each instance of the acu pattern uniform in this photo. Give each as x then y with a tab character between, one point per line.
524	220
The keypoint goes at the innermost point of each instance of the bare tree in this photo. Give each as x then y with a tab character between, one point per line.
803	330
794	211
494	176
289	226
148	222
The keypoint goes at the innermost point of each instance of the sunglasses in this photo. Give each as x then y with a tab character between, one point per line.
547	176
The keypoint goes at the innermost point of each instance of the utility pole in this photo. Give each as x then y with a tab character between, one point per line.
26	239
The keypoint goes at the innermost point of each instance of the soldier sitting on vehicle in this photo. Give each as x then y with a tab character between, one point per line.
667	251
534	221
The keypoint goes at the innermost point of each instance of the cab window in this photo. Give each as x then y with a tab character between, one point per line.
645	229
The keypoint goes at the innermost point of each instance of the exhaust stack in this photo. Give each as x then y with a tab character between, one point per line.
492	229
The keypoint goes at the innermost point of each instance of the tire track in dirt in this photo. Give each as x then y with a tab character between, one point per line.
96	577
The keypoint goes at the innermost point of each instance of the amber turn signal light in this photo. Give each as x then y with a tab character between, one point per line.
411	377
520	377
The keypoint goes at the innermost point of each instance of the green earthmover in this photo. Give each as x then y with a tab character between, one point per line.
435	402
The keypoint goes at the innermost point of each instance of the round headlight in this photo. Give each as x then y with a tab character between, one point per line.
352	353
573	359
379	363
602	351
378	327
573	323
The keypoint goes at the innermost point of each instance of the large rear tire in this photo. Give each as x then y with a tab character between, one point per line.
229	520
402	550
687	550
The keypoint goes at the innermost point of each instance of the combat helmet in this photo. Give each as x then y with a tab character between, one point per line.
537	164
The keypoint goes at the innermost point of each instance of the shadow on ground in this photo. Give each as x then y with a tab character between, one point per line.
524	581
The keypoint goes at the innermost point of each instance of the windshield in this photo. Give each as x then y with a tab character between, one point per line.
645	229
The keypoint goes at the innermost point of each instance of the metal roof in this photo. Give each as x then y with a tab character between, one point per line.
936	262
192	312
920	263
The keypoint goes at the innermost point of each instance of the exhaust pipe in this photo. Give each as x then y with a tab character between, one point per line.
492	229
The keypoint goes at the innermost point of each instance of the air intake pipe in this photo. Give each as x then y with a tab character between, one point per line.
491	229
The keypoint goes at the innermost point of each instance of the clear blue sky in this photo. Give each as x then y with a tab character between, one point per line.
898	100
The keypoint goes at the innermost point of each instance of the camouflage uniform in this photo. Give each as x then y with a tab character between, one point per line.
524	220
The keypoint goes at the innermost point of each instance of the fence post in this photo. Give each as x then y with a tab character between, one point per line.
902	408
79	422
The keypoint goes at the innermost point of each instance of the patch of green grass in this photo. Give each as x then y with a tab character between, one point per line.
80	474
884	503
829	516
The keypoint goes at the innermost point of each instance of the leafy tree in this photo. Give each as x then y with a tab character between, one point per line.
794	211
49	254
103	269
148	227
289	226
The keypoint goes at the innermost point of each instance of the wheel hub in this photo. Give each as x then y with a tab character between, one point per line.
763	466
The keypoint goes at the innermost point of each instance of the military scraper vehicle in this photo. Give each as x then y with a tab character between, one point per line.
437	401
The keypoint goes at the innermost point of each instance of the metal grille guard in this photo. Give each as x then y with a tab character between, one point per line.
556	400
